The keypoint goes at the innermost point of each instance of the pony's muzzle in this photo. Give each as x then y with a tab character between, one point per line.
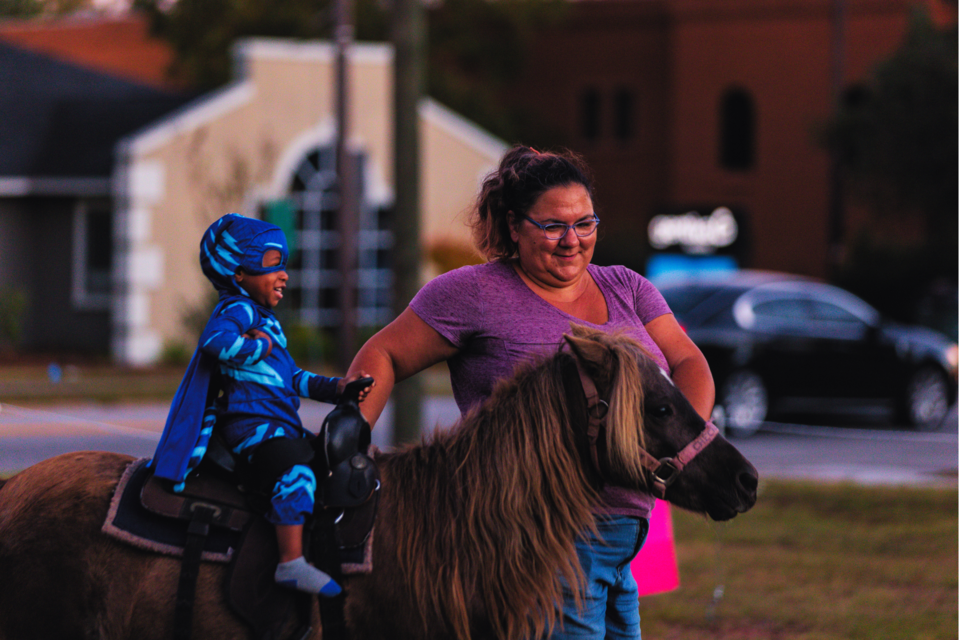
747	481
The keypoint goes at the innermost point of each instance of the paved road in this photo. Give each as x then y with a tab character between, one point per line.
868	456
879	455
31	434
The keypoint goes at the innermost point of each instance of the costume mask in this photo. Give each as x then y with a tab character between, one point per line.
236	241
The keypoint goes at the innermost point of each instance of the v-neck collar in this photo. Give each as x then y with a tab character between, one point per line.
519	281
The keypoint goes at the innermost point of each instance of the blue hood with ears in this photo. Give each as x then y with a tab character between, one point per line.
236	241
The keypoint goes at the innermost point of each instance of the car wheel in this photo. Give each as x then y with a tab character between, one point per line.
926	399
745	403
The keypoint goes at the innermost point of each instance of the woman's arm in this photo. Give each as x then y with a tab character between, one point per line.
404	347
688	367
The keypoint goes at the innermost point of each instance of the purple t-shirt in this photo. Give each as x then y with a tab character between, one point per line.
496	321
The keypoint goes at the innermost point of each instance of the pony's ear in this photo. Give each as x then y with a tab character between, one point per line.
593	356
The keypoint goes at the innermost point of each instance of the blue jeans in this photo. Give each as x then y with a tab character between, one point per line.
611	607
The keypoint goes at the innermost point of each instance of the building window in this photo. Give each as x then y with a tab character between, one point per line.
590	113
737	130
309	220
623	114
92	255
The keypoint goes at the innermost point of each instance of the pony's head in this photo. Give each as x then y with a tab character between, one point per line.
648	413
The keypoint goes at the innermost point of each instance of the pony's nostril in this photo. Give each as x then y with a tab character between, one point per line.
748	481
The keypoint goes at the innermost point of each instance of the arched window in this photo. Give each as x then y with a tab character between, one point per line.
590	113
313	292
738	124
623	114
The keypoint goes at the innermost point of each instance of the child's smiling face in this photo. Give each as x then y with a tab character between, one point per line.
266	289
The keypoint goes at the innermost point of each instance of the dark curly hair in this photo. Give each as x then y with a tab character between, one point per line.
523	176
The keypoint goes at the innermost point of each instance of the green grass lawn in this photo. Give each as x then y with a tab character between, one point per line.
88	382
817	562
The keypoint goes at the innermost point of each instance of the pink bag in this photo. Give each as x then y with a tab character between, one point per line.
655	567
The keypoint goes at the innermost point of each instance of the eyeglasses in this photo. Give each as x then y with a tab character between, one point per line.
556	230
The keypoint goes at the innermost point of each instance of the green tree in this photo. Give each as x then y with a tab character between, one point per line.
31	8
20	8
475	47
202	32
896	136
13	309
476	50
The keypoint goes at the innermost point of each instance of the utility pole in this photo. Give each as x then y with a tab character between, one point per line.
409	42
836	229
348	191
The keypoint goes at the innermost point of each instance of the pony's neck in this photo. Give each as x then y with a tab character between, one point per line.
507	486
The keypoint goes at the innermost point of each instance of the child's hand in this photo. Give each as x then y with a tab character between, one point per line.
256	334
363	392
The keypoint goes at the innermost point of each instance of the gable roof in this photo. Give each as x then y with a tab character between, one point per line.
121	46
61	120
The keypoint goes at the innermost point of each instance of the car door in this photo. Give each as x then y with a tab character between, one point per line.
855	362
782	343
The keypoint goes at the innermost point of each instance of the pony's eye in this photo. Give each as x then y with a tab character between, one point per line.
661	411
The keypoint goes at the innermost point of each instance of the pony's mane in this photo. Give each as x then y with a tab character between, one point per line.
489	510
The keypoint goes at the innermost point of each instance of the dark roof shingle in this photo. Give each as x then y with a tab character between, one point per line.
58	119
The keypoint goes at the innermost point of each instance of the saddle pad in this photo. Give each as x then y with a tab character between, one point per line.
129	522
358	560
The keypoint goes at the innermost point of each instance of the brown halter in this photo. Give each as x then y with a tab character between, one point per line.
664	471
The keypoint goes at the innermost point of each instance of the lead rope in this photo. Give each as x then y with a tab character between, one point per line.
720	572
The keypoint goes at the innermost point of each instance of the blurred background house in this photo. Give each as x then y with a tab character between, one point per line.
106	250
66	98
722	135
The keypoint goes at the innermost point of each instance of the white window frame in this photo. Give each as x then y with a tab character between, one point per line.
317	200
84	300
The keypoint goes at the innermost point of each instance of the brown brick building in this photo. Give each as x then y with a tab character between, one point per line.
704	103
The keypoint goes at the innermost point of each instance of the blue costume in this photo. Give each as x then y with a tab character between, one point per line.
260	393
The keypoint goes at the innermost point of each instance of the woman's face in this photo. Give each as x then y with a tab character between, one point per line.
556	263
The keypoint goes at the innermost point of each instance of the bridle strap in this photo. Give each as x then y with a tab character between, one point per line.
664	471
689	452
597	409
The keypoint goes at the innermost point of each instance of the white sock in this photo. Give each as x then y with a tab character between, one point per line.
301	575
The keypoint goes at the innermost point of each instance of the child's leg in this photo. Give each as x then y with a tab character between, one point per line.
292	500
290	541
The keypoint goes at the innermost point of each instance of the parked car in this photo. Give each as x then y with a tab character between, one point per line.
780	344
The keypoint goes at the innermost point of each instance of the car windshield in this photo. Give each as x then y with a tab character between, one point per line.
701	305
684	299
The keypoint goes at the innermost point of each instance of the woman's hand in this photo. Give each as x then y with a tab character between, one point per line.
406	346
256	334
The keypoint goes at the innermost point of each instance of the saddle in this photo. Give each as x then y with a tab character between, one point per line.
225	493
